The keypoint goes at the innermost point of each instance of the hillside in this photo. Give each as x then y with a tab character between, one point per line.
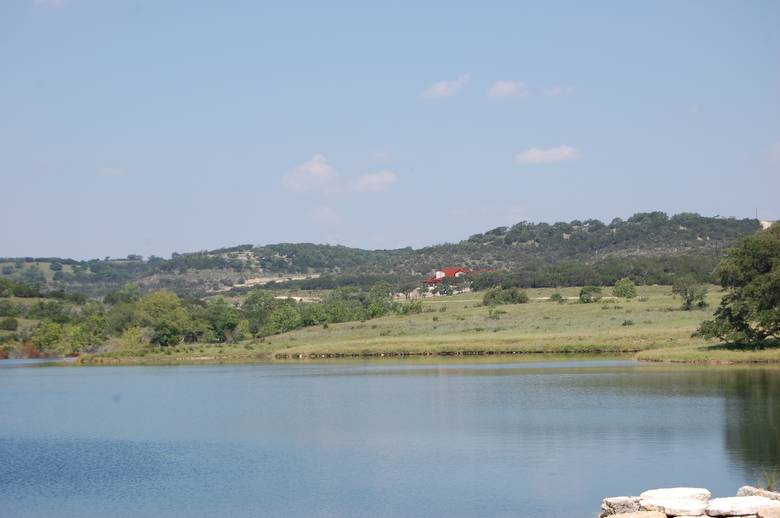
648	246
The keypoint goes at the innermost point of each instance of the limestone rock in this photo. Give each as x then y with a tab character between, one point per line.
741	505
674	506
690	493
640	514
619	504
754	491
768	513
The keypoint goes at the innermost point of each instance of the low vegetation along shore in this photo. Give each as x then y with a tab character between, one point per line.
651	323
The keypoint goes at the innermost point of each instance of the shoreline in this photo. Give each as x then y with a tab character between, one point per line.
248	359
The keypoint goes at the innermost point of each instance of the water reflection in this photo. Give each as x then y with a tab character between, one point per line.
752	428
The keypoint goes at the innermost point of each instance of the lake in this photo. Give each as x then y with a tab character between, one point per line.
484	438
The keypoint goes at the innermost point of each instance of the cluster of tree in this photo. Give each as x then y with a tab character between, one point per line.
641	228
163	318
200	261
16	288
643	270
306	257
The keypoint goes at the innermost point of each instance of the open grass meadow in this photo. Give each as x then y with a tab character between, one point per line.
651	324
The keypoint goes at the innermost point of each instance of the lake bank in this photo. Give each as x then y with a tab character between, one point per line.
651	326
704	356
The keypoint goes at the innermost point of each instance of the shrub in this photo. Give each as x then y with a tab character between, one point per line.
590	294
624	288
557	297
691	292
409	308
495	296
9	324
8	309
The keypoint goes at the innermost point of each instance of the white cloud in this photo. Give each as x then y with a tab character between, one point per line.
327	216
446	88
553	155
111	172
503	89
559	91
373	182
315	174
774	152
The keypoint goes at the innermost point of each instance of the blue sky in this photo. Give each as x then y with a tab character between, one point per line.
158	126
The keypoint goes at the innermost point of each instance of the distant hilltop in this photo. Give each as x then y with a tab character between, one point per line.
649	246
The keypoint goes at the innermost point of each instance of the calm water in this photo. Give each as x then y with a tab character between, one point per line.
377	439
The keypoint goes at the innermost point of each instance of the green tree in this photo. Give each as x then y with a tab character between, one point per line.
284	318
129	294
48	337
624	288
163	312
256	308
590	294
222	319
165	333
750	274
9	324
691	291
314	314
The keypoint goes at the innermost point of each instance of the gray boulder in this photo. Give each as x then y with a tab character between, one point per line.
741	505
619	505
674	506
640	514
690	493
754	491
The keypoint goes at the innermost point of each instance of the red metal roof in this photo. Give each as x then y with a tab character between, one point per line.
451	271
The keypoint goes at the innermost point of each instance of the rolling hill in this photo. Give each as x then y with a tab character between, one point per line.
650	247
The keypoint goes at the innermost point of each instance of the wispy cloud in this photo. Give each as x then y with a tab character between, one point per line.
446	88
373	182
315	174
553	155
326	216
774	152
111	172
559	91
508	89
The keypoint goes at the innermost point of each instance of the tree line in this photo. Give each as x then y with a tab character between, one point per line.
127	318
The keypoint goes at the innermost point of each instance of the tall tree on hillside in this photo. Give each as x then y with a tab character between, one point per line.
750	272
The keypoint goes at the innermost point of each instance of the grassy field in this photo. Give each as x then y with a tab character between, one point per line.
651	324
